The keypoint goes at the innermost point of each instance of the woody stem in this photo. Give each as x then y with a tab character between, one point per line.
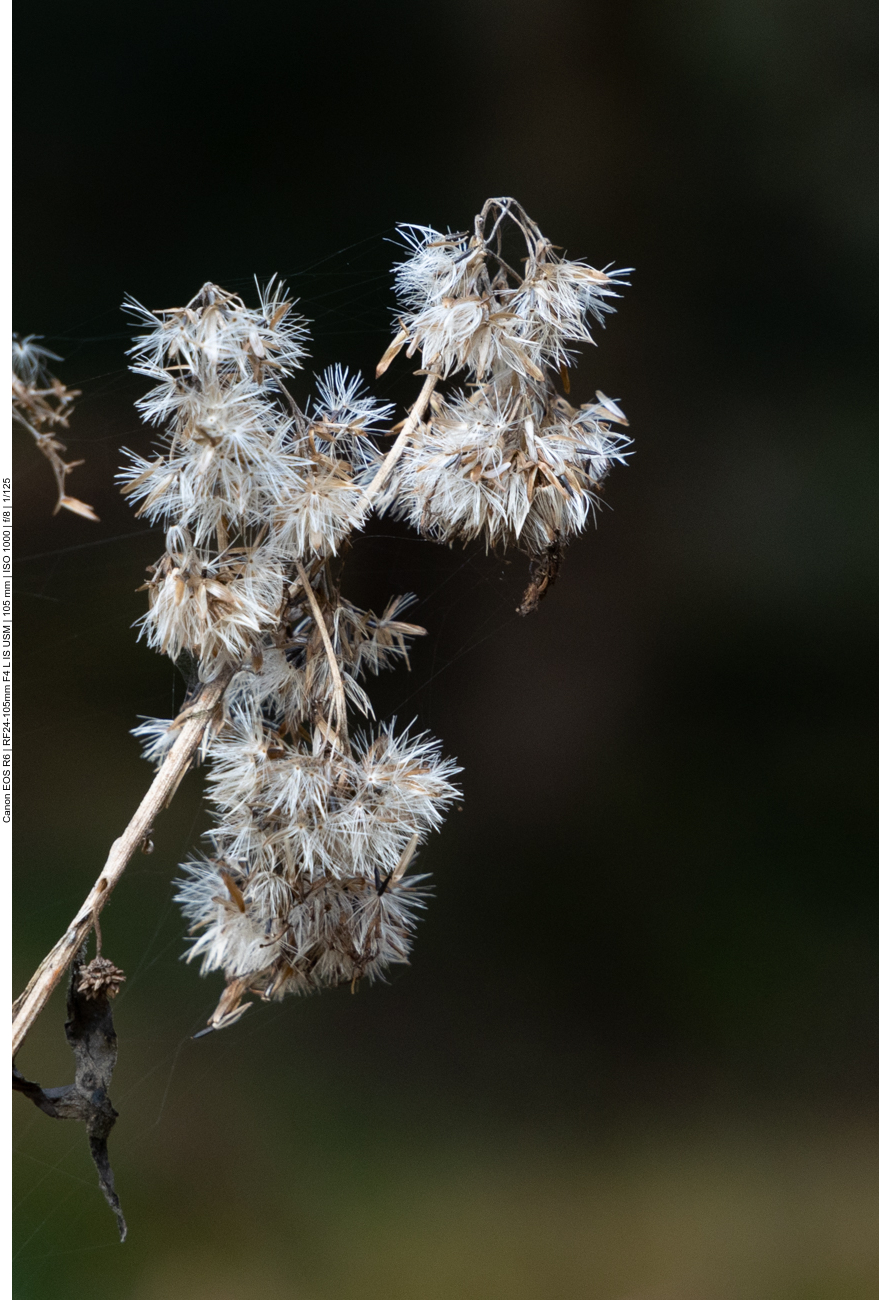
48	974
373	488
338	684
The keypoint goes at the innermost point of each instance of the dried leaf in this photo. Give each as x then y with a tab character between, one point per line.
90	1033
544	571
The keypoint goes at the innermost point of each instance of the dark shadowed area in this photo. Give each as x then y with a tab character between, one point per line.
635	1056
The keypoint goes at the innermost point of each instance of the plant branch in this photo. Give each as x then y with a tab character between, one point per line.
372	489
45	979
338	684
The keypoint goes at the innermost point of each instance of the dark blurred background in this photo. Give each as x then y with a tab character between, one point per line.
636	1053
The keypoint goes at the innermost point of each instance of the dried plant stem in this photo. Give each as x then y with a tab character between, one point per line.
45	979
49	445
372	489
338	684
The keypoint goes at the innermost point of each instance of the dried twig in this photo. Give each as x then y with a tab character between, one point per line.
338	684
45	979
41	404
372	489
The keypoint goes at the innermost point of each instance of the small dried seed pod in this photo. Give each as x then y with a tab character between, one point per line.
100	977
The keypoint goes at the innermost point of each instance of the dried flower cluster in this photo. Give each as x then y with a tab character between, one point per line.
510	459
304	884
42	404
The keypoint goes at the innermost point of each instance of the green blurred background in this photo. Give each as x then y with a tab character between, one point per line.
635	1056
